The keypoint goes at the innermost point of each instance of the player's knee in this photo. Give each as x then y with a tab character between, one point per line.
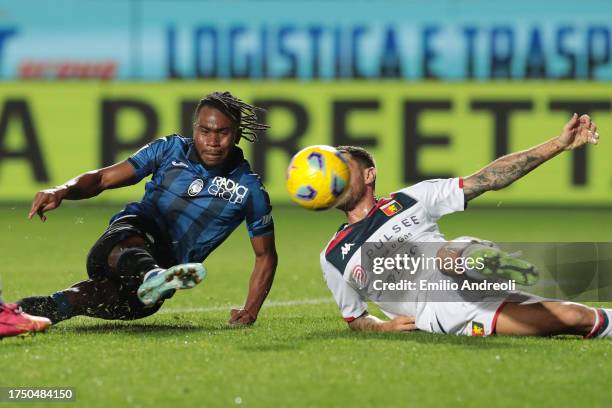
104	255
135	261
576	316
451	250
118	250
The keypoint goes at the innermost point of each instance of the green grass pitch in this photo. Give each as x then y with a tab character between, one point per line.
300	353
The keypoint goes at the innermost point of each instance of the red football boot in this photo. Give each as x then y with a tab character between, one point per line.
13	321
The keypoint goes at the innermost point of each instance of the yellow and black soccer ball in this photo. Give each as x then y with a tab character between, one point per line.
317	177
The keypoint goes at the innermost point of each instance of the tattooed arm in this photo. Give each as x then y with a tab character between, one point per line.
507	169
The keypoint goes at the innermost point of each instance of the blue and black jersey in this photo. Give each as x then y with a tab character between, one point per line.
196	207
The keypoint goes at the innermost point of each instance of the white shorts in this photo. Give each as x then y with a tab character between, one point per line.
468	318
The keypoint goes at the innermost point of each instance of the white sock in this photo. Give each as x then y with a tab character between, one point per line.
602	327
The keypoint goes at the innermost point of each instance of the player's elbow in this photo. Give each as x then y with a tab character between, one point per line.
105	181
89	184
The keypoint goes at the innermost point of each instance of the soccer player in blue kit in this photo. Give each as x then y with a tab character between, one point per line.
201	189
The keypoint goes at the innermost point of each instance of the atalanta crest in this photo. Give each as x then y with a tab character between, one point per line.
195	187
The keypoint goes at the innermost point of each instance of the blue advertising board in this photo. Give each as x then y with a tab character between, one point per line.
306	40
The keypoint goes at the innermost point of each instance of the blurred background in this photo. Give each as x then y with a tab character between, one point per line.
434	89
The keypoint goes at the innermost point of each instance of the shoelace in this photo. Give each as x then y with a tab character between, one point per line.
15	309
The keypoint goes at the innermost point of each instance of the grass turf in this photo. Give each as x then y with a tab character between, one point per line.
299	355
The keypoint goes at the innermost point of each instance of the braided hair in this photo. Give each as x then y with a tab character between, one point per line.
243	115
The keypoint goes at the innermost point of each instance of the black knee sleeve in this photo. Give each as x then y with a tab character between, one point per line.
132	265
120	230
135	261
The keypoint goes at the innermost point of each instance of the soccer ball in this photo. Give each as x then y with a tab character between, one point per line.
317	177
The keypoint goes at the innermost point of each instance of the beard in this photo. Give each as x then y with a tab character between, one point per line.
351	198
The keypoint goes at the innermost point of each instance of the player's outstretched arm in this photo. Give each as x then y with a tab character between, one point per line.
86	185
372	323
261	280
507	169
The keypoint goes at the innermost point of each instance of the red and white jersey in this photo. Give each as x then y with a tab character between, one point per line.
409	215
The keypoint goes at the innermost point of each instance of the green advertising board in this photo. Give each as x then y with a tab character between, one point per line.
50	132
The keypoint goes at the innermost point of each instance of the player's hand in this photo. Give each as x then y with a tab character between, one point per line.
577	132
46	200
241	317
400	324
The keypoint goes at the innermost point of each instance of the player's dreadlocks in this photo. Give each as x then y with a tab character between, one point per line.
241	113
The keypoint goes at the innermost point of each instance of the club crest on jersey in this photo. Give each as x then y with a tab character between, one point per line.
195	187
391	208
477	329
359	276
228	190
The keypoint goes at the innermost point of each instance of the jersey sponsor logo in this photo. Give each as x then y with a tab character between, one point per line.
228	189
346	248
195	187
391	208
179	164
477	329
359	276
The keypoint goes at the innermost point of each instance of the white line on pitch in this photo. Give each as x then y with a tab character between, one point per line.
271	303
